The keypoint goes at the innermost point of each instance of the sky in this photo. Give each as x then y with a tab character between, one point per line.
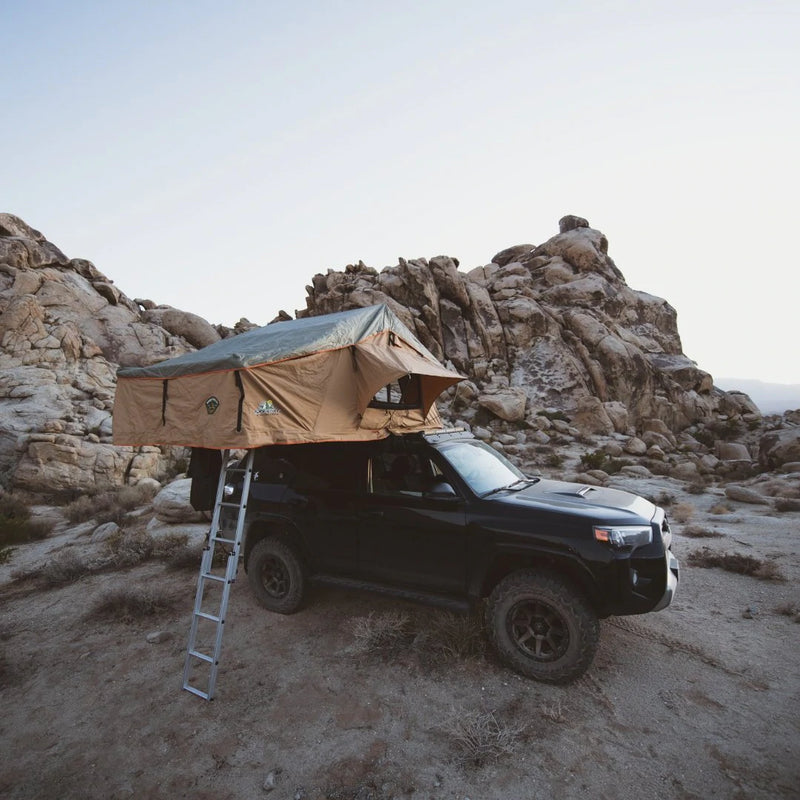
215	156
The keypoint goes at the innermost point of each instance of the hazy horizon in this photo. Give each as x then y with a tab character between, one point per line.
215	158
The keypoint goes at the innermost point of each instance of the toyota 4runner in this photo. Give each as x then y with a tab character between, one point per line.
445	519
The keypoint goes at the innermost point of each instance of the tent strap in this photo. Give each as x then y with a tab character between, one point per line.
240	386
164	402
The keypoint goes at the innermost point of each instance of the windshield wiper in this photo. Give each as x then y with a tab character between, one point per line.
518	484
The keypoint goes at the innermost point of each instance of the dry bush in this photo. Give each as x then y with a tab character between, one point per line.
444	637
129	548
129	604
682	512
553	711
16	525
186	557
789	610
787	504
64	568
432	638
383	635
699	532
109	506
698	487
736	562
720	508
480	738
165	547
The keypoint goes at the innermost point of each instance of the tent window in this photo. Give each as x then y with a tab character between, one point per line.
403	393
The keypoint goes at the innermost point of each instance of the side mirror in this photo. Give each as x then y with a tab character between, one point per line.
441	489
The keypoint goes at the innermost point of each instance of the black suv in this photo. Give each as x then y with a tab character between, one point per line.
446	519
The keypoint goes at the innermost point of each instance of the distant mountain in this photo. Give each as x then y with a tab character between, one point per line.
771	398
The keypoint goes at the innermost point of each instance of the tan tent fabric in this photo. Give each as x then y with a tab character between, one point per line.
214	398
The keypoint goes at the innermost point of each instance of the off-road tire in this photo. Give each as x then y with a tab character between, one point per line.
275	574
542	626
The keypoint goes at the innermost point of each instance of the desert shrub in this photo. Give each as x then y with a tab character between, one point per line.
63	568
787	504
480	738
444	637
5	554
431	638
698	532
720	508
554	460
682	512
129	604
789	610
165	547
108	506
736	562
595	460
553	711
698	487
186	557
16	525
385	634
129	548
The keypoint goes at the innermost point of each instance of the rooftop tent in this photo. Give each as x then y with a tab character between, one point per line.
307	380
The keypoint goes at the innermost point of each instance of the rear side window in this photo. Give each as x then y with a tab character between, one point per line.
402	473
314	467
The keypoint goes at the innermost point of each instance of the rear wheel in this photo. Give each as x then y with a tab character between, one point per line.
542	626
275	574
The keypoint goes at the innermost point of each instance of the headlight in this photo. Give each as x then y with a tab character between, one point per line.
624	535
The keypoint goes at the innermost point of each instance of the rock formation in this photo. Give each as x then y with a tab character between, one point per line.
538	327
64	328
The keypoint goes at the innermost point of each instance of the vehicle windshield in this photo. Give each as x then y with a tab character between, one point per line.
481	467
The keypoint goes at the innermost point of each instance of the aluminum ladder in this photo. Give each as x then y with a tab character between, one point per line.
213	588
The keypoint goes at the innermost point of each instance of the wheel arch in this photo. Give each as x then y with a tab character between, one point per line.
570	569
263	526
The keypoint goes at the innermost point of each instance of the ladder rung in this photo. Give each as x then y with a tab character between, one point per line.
201	656
199	692
224	540
220	578
228	505
212	617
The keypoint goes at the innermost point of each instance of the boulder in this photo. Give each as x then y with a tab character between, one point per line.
779	447
507	404
743	494
172	504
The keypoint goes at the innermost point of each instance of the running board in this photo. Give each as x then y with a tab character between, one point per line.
414	595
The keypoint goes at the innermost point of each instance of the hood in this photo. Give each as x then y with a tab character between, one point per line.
601	504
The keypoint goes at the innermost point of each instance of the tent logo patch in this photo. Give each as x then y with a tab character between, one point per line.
212	404
266	407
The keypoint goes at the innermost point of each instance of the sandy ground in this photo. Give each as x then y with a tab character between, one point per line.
698	701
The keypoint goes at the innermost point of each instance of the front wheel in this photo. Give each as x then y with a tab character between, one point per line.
275	574
542	626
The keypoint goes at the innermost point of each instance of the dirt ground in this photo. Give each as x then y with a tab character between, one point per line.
698	701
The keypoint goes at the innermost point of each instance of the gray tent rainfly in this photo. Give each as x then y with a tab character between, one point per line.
307	380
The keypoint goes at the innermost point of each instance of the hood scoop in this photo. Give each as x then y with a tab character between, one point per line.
578	491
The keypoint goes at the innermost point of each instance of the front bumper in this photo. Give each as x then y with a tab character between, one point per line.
673	574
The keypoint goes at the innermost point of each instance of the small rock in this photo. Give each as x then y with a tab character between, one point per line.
269	782
157	637
750	612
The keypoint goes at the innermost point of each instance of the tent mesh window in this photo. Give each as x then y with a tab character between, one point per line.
404	393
